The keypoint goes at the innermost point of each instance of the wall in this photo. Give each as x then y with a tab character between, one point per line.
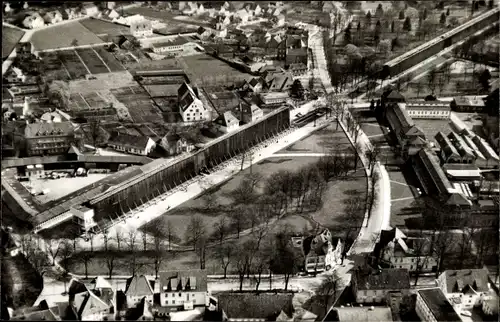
423	311
198	299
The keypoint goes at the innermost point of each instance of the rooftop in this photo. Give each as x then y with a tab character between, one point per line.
178	41
438	305
457	280
255	306
390	278
360	314
195	279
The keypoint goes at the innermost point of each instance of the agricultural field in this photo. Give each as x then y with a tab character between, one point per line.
205	69
64	36
104	29
111	62
10	38
139	104
169	90
92	61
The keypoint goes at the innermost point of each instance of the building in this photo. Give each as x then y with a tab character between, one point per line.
175	144
396	250
448	152
84	217
273	99
432	306
467	288
53	17
256	307
463	173
191	107
321	252
178	44
98	304
371	286
137	289
226	122
203	33
490	302
297	69
254	85
141	29
49	138
90	9
487	151
296	48
248	113
466	153
428	109
392	96
278	81
468	104
360	314
410	137
33	21
183	289
133	144
35	171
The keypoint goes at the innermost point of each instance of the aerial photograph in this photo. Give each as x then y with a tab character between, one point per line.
250	161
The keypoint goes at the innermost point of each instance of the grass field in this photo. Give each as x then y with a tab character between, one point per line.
62	36
404	209
207	69
102	28
10	38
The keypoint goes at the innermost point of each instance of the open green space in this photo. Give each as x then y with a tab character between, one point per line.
209	70
405	211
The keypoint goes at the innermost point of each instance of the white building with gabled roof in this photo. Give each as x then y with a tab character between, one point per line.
191	107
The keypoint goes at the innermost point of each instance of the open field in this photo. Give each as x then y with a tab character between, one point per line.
61	187
206	69
10	38
404	209
105	29
65	35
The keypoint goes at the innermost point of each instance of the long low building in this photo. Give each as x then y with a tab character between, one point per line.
428	109
113	196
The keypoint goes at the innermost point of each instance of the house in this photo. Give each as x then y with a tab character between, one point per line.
87	306
488	152
203	33
490	302
395	250
467	287
463	173
109	14
53	17
242	15
297	69
142	312
392	96
178	44
200	10
90	9
374	286
248	113
138	289
468	104
84	217
255	85
428	109
256	307
279	21
33	21
133	144
448	152
226	122
296	48
191	107
175	144
278	82
48	138
432	306
38	315
105	292
183	289
51	117
360	314
273	99
321	252
72	13
141	29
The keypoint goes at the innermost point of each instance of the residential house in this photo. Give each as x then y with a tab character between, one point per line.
87	306
53	17
175	144
84	217
221	22
183	289
448	152
273	99
395	250
226	122
105	292
248	113
178	44
203	33
278	21
321	252
51	117
466	288
255	85
433	306
137	289
480	158
490	302
392	96
90	9
200	10
428	109
256	307
297	69
242	16
33	21
48	138
72	13
360	314
142	312
278	81
462	173
141	29
191	107
468	104
410	137
296	50
109	14
133	144
374	286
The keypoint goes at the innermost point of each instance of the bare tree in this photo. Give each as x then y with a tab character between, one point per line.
443	244
259	264
432	80
242	262
171	234
285	260
131	241
66	251
158	254
202	250
195	231
221	228
53	247
210	200
110	261
86	258
225	254
119	238
144	240
421	253
466	244
327	291
95	132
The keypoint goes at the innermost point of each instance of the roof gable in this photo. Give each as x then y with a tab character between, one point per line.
197	279
138	286
383	279
256	306
457	280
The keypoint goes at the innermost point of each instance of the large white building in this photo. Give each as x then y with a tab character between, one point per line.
84	217
183	289
141	29
177	44
191	107
428	109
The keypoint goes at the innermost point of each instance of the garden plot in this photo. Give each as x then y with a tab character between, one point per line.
111	62
92	60
140	106
73	64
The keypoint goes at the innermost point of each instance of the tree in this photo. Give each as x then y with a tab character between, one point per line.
210	200
144	240
171	234
380	11
224	254
95	132
401	15
285	260
242	262
119	238
418	87
442	20
384	46
454	22
368	18
39	261
465	244
259	263
347	34
131	240
195	231
66	250
448	12
421	253
358	27
352	51
425	14
484	78
53	247
297	90
110	258
432	80
392	26
407	24
377	32
158	254
74	43
201	249
58	93
327	291
86	258
221	228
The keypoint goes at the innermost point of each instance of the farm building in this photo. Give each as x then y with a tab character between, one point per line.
140	145
226	122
